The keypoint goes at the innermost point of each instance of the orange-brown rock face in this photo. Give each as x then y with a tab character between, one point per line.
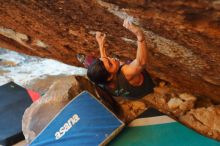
183	36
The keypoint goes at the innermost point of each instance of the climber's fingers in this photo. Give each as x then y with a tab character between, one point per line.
100	36
128	23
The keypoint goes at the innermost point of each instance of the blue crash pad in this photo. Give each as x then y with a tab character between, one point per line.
84	121
14	99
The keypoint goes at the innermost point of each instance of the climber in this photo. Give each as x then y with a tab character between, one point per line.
119	79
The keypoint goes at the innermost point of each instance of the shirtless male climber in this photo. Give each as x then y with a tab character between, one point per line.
127	80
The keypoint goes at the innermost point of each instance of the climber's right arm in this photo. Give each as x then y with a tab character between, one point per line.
100	37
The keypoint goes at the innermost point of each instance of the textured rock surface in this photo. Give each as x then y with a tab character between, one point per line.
197	113
39	114
208	118
183	36
183	39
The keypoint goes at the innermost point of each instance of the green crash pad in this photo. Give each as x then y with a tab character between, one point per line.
159	130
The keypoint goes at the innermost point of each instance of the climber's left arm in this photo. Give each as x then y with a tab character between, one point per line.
139	63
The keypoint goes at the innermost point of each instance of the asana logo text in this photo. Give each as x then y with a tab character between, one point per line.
67	126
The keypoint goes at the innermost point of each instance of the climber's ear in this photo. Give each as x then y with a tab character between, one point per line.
110	78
